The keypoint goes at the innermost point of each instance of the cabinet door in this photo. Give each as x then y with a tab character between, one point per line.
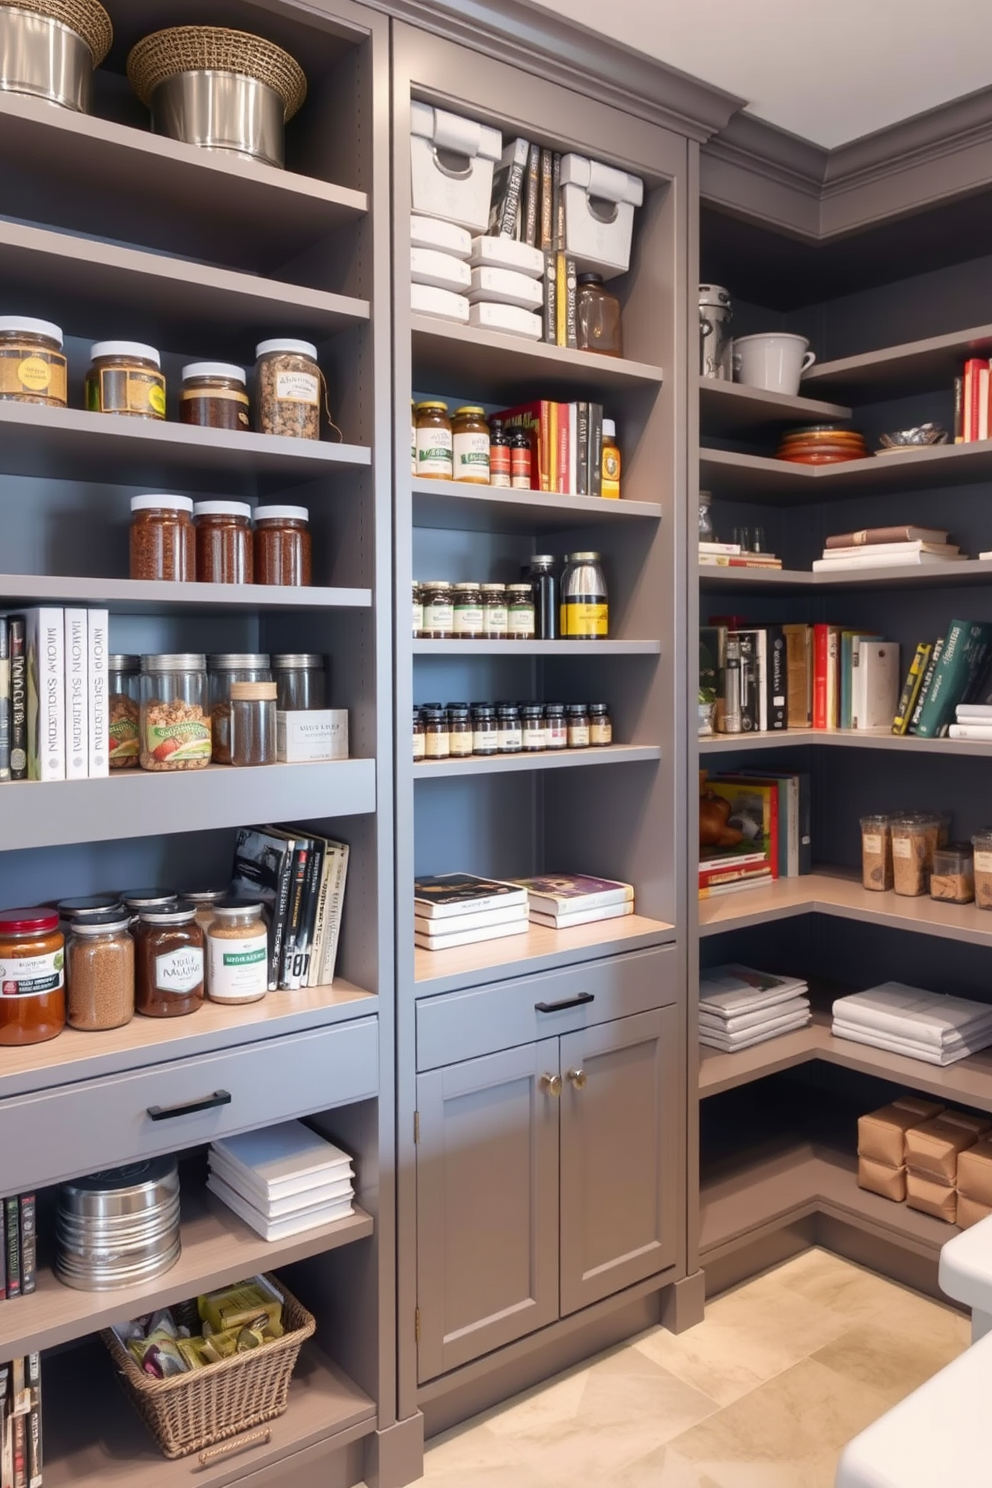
487	1203
619	1195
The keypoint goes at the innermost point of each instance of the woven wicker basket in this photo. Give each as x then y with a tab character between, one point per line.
190	1412
215	48
87	18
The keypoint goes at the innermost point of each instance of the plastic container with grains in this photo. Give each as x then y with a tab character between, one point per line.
953	876
32	365
876	852
982	843
162	539
224	553
913	841
214	396
287	393
125	377
282	545
124	682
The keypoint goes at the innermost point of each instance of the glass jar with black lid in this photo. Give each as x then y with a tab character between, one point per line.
485	737
436	744
534	733
511	739
467	612
555	727
578	725
494	616
459	731
419	736
439	611
600	724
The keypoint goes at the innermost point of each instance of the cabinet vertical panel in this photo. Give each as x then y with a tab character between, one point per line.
487	1205
619	1203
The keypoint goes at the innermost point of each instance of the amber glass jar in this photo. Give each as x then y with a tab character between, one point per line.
32	366
32	976
470	445
100	963
223	542
597	317
169	961
282	545
214	396
162	545
435	460
469	619
439	610
125	377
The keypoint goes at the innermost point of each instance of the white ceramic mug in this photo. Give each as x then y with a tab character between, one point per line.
773	360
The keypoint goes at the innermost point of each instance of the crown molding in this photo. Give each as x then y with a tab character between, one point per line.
557	49
924	138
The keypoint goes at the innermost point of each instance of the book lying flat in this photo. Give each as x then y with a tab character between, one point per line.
582	916
911	1013
299	1203
278	1229
752	881
444	895
730	1043
734	989
479	920
873	535
551	893
276	1155
887	560
981	730
471	937
744	1022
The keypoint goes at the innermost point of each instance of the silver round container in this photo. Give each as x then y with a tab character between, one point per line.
85	1279
130	1190
42	57
118	1227
222	111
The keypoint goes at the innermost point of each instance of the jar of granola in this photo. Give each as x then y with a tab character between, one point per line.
124	674
174	723
913	842
982	843
288	388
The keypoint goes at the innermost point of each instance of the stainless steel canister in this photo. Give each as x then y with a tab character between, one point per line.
222	111
43	57
715	341
118	1227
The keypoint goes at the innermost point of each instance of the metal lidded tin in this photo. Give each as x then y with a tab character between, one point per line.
118	1227
52	56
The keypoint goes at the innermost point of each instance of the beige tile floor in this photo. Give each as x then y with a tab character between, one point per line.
763	1394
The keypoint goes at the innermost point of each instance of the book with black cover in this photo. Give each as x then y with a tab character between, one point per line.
29	1243
532	192
441	895
18	700
13	1211
263	866
508	180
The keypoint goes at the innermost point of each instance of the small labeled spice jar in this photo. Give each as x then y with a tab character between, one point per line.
419	736
953	876
533	730
555	727
162	538
508	728
435	450
237	952
124	688
495	621
224	669
282	545
982	844
459	731
600	725
876	852
439	610
418	610
169	961
100	967
470	445
223	542
585	607
174	723
32	365
577	718
467	612
125	377
911	855
485	738
287	393
520	612
521	461
253	723
499	455
301	681
32	976
214	396
436	745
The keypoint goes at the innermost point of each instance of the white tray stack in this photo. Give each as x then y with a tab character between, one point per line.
282	1179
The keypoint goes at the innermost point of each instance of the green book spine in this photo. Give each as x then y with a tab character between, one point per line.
911	688
964	657
927	683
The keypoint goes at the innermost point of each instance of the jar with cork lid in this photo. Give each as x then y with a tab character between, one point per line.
253	723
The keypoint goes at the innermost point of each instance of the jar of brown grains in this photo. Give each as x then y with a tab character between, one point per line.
125	377
32	366
174	723
223	670
282	545
124	683
287	393
169	961
162	538
223	542
237	952
214	396
100	967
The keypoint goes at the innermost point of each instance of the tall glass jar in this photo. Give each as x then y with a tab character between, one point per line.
585	607
301	679
237	953
282	545
162	539
253	723
32	971
494	616
124	683
223	542
125	377
169	962
223	670
32	365
438	600
287	393
100	967
597	317
214	396
520	612
175	724
435	456
470	445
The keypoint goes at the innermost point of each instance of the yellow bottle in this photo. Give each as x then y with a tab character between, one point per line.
611	461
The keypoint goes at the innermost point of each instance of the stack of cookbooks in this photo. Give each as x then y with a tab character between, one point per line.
460	909
888	547
282	1179
739	1007
563	900
732	555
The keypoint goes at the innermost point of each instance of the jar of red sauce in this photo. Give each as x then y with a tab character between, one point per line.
32	976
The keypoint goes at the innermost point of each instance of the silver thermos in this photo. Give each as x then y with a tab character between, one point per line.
715	341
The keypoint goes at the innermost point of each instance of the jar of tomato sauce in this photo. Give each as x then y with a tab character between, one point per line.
32	976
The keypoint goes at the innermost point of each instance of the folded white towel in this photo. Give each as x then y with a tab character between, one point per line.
728	1043
926	1052
729	990
909	1012
756	1020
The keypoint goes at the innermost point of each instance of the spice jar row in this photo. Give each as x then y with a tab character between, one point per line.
567	448
457	730
126	378
544	605
911	853
176	539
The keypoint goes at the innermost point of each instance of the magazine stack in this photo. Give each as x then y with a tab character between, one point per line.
740	1007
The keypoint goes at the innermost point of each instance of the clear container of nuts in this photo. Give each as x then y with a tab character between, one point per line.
175	724
913	841
953	876
982	844
287	394
124	681
876	852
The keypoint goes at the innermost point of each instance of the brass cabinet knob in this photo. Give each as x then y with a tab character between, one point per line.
578	1078
551	1084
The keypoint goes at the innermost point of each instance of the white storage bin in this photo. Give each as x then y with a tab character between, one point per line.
599	214
509	319
506	287
441	303
443	270
452	162
507	253
430	232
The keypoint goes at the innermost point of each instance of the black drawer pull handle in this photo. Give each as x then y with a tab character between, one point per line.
166	1113
569	1002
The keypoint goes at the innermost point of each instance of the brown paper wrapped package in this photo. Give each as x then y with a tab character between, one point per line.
932	1197
879	1178
882	1134
932	1149
970	1212
975	1172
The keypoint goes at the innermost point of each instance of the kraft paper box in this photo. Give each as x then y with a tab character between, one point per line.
932	1149
931	1197
970	1211
315	734
879	1178
882	1134
975	1172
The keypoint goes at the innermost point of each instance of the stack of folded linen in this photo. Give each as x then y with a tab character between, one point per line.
739	1007
907	1020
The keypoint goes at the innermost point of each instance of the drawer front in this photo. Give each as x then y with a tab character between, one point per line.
465	1025
102	1123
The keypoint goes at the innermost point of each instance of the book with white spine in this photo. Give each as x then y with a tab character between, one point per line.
98	645
77	702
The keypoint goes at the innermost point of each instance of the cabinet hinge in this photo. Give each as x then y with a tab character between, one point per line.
416	1324
416	1127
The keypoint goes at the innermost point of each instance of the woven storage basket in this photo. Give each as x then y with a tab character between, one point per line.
88	19
215	48
192	1411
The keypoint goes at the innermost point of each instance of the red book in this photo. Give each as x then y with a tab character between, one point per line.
754	811
972	380
821	663
536	419
564	451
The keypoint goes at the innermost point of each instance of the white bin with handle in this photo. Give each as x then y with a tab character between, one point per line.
599	214
452	162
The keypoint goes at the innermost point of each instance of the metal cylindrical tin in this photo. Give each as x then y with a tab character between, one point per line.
715	341
118	1227
44	58
222	111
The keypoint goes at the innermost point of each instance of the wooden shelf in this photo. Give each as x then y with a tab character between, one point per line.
551	759
218	1247
486	364
132	803
770	482
843	739
900	371
538	949
63	443
728	407
93	1433
137	597
933	576
455	505
536	648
